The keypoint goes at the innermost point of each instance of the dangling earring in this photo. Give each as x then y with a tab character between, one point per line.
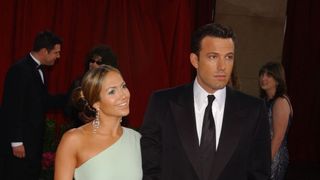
96	121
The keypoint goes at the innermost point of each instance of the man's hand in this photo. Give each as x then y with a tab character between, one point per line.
19	151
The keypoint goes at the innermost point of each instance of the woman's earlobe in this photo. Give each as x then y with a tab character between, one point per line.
96	105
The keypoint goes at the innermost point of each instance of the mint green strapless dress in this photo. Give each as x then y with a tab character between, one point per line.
120	161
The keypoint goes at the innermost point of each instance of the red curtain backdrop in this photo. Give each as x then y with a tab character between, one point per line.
150	38
301	60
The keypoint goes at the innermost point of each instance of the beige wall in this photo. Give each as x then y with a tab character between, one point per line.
259	26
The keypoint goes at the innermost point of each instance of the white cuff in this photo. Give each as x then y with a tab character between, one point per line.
15	144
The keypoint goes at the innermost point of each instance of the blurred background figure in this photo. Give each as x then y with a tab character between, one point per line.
25	102
99	55
273	90
234	81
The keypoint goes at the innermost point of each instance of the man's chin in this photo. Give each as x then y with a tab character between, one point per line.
220	85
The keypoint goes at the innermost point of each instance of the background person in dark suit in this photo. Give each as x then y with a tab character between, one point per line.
25	101
184	139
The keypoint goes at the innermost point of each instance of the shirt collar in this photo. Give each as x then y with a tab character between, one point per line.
36	60
200	95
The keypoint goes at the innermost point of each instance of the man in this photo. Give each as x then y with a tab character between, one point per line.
186	138
25	101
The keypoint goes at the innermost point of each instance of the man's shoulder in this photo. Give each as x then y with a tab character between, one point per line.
173	91
22	69
243	97
20	64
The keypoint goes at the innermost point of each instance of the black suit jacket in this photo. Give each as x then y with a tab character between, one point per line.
25	101
170	145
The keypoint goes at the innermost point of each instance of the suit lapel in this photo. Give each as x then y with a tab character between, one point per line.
230	134
184	117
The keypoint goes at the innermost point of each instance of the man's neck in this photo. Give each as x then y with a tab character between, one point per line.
35	57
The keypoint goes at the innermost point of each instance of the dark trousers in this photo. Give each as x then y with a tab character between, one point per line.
21	169
1	166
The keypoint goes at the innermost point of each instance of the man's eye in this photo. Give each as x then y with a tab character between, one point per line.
230	57
212	57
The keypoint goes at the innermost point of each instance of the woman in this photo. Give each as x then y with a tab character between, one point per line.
101	149
273	90
99	55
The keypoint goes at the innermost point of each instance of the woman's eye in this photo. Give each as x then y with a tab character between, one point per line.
111	92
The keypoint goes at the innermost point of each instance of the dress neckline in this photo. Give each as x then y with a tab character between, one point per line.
104	150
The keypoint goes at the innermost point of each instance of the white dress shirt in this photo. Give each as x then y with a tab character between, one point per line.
40	71
200	103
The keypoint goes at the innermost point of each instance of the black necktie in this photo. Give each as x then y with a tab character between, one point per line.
208	139
40	67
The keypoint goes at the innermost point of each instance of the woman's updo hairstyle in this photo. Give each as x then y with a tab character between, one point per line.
89	93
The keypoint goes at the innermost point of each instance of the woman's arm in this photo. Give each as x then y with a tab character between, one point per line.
66	159
280	117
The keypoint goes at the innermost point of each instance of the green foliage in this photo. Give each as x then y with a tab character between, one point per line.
50	140
52	137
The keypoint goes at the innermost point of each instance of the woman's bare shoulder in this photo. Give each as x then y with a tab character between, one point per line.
282	102
73	136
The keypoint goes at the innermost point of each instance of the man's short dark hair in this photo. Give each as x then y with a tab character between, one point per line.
212	30
46	39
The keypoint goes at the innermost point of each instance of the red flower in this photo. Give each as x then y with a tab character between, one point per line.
47	160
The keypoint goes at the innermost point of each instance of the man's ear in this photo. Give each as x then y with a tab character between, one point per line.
44	51
194	60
